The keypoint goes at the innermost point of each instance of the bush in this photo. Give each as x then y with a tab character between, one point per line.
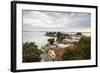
51	41
79	33
51	34
31	53
59	36
85	47
72	54
81	52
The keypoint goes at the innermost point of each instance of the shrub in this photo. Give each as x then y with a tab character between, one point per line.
51	41
72	54
81	52
31	53
85	47
79	33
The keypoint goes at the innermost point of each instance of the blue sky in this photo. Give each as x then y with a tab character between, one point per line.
56	21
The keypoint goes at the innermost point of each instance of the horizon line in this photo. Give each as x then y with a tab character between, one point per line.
53	31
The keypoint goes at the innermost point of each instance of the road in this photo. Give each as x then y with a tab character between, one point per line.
45	57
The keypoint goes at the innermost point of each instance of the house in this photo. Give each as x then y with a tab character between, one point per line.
56	53
52	54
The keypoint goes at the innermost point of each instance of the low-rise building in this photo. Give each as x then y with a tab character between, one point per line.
56	53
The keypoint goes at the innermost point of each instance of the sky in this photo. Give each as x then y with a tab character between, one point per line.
56	21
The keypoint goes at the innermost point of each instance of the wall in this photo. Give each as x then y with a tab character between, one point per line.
5	36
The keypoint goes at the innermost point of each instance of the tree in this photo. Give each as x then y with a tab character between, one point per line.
79	33
72	54
51	41
85	47
31	53
51	34
82	51
59	36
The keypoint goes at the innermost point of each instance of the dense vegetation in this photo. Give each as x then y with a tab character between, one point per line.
31	53
50	34
51	41
60	36
85	47
82	51
72	54
79	33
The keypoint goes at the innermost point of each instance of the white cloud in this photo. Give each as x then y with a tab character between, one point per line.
56	21
37	18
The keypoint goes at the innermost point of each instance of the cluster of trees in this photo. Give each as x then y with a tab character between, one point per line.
85	47
81	52
71	54
31	53
78	33
59	36
51	41
51	34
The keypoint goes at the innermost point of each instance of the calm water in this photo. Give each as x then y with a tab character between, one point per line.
38	37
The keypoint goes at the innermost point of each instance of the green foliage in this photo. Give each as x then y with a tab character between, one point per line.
31	53
81	52
51	34
68	54
79	33
72	54
85	47
51	41
59	36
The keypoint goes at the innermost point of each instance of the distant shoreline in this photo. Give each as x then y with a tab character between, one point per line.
55	31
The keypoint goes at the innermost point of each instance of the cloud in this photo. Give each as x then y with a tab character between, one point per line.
42	19
56	21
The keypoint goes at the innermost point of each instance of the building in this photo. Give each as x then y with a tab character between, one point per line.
57	53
